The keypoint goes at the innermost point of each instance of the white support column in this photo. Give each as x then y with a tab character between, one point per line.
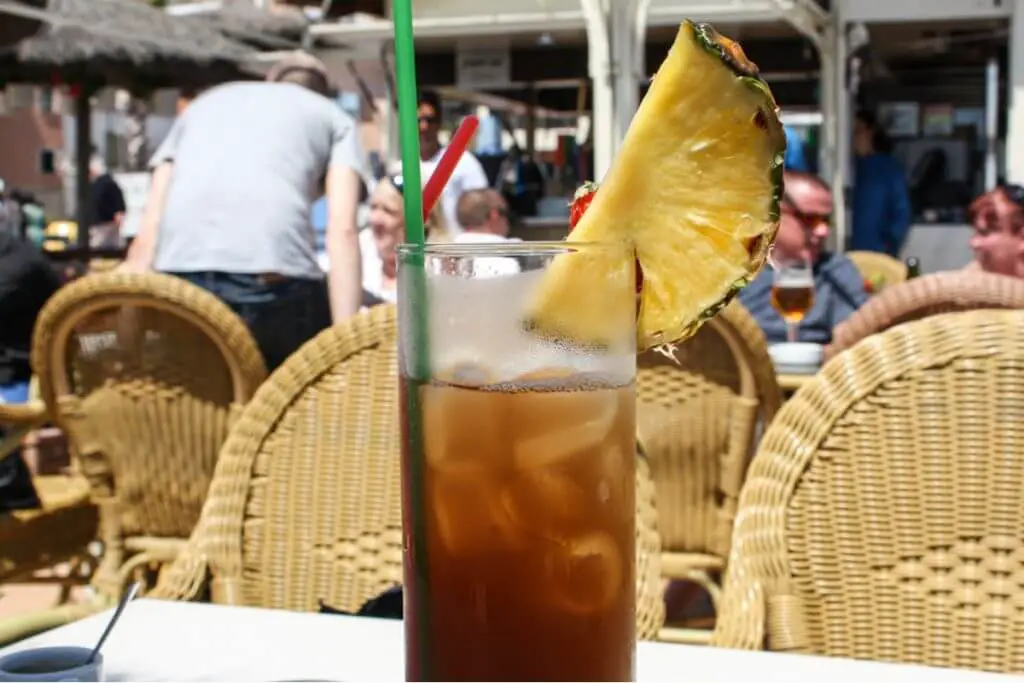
991	123
622	19
1015	122
835	99
600	71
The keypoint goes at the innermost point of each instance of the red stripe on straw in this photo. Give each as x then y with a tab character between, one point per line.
446	166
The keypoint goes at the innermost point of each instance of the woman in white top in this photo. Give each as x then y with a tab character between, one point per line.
380	240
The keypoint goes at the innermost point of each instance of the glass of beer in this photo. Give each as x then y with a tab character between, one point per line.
793	292
517	470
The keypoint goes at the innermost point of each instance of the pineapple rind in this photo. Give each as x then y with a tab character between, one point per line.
554	315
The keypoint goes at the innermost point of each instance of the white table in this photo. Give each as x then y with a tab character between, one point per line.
192	642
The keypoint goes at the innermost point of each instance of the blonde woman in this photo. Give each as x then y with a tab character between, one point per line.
380	240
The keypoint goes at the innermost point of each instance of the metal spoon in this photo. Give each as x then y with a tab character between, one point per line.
128	596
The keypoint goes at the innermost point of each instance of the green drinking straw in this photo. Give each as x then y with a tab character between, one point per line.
416	301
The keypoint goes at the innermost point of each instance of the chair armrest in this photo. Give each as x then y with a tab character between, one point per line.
31	414
14	629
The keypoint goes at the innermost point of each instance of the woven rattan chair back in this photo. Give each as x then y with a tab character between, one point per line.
305	507
145	374
958	290
882	516
697	417
880	269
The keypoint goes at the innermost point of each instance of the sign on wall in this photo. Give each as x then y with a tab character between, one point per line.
483	66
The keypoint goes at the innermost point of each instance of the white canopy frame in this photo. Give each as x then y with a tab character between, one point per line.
616	32
616	35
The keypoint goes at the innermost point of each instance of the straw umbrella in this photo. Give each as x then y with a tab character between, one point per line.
17	27
278	29
91	44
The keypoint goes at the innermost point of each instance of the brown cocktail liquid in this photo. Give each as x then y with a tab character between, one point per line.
524	506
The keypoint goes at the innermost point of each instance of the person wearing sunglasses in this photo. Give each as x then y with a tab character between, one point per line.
804	226
998	239
468	174
881	199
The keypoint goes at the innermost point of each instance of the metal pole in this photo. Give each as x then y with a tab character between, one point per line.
991	122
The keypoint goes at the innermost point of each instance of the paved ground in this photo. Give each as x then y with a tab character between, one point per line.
18	599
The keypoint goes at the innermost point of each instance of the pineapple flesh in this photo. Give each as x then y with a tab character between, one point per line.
694	190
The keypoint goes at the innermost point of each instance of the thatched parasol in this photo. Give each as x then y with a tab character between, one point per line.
17	27
121	43
277	29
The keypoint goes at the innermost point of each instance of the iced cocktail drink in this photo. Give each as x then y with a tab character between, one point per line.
519	482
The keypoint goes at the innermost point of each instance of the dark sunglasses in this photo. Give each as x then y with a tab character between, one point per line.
427	119
808	220
1015	193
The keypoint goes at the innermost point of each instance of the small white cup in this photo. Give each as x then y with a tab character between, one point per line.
51	664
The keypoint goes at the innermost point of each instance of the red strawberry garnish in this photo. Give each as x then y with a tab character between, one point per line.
581	202
579	205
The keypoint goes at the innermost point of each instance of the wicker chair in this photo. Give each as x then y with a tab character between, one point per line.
145	373
881	518
60	531
877	266
957	290
306	503
697	417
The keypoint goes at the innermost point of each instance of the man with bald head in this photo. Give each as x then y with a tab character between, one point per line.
483	215
806	212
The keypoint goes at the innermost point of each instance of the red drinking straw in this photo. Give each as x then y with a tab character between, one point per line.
446	166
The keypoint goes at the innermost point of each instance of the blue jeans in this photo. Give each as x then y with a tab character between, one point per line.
282	313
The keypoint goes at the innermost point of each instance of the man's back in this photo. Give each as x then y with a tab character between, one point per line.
249	158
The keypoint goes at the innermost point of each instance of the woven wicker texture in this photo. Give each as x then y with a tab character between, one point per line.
882	516
145	374
697	418
306	503
880	268
650	607
62	528
937	293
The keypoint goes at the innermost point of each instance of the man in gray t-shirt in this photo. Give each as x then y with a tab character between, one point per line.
229	203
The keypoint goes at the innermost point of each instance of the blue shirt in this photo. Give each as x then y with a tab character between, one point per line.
838	292
795	159
881	205
318	218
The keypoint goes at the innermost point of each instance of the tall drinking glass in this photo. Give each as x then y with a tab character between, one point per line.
518	470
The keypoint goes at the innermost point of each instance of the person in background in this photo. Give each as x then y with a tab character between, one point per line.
796	158
27	281
468	173
881	200
806	210
385	232
483	215
229	203
106	203
998	240
484	218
